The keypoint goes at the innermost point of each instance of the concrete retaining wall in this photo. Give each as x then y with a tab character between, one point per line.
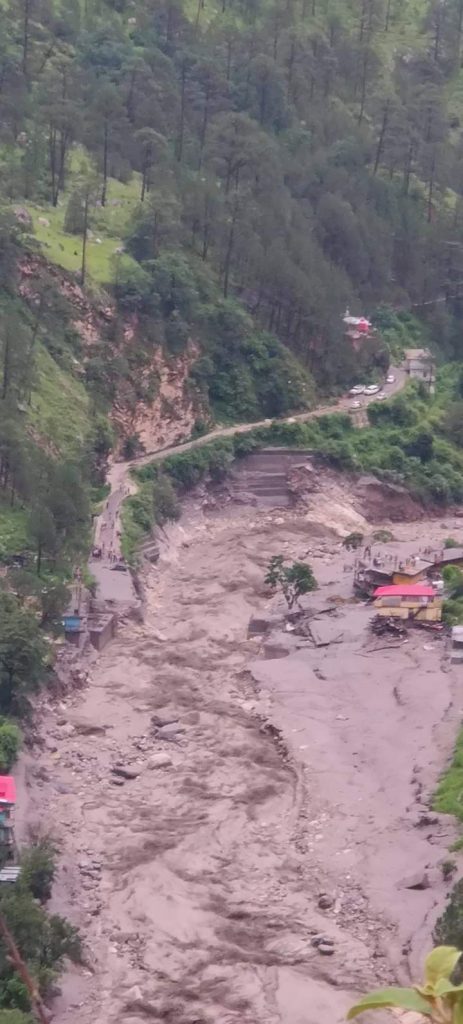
263	476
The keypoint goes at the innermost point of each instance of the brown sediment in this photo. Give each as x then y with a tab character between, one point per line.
197	881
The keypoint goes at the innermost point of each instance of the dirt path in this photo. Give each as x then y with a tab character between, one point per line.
197	883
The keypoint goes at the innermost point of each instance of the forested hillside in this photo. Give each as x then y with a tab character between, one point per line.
277	160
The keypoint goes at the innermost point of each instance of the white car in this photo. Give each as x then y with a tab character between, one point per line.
372	389
381	397
390	378
356	405
358	389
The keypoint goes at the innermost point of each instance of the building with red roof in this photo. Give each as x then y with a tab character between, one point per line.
417	601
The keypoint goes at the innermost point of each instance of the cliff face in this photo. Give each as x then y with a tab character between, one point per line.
151	393
170	416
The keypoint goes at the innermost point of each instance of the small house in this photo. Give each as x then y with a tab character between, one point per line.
420	365
7	803
417	601
357	329
411	572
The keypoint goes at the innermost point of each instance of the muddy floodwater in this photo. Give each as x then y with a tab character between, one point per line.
277	791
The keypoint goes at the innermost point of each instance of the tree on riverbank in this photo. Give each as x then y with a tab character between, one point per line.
293	580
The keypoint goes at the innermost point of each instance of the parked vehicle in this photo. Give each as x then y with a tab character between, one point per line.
355	405
381	397
372	389
390	378
358	389
119	567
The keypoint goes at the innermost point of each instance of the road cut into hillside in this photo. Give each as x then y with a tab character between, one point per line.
243	820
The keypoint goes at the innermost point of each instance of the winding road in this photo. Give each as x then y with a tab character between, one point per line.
117	586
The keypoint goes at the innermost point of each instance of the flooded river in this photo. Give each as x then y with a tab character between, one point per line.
274	795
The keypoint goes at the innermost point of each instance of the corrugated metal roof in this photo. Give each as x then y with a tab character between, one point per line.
405	590
10	874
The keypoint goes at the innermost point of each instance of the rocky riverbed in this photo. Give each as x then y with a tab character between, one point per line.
243	818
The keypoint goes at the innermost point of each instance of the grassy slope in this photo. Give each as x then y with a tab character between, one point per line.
59	411
448	798
108	224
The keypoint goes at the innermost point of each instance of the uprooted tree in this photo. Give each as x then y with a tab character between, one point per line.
293	580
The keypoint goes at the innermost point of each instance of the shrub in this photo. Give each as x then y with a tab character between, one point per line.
132	446
165	502
449	927
74	216
38	869
10	741
353	541
450	542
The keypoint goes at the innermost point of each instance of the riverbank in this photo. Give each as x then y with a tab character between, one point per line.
195	869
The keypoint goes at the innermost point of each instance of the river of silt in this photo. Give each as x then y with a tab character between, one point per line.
250	859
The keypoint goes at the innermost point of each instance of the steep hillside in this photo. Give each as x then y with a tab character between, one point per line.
202	160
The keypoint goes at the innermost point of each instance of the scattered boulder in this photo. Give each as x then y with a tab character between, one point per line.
169	731
418	881
319	940
325	949
325	902
67	730
89	728
258	627
125	773
160	720
159	761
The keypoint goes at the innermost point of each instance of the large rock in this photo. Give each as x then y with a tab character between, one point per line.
420	880
125	773
159	761
170	731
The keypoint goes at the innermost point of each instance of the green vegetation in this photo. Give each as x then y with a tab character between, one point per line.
43	939
448	797
10	740
38	869
452	612
293	580
449	927
439	996
353	541
449	868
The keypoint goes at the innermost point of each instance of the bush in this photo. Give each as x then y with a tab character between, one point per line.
165	503
133	287
74	216
10	741
38	869
450	542
449	927
131	446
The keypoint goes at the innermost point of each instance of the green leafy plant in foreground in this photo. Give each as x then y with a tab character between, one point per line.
439	997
